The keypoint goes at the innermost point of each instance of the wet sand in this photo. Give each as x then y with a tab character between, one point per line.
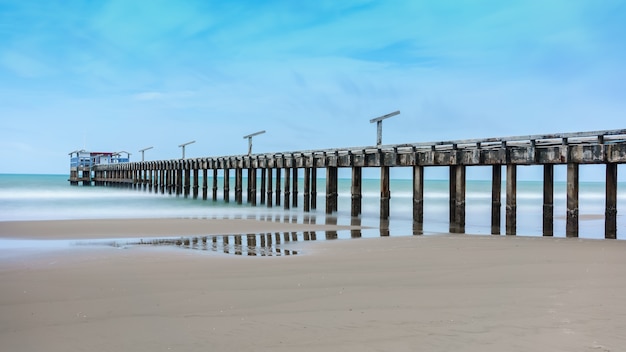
414	293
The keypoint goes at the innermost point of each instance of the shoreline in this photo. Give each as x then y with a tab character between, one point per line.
153	228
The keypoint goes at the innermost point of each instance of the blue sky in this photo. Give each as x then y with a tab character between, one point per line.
124	75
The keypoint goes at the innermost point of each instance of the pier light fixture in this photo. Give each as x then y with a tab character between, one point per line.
379	126
142	152
183	146
250	140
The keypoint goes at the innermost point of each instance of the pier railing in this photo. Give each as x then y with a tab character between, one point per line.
573	149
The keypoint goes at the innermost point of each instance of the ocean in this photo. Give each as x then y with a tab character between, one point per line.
51	197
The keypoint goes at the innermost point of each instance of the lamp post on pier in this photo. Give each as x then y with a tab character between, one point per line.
183	146
250	140
142	152
379	126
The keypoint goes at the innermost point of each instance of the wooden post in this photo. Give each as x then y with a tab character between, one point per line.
179	179
263	185
496	198
252	182
548	200
357	191
238	185
610	217
187	172
269	188
452	203
385	193
331	189
214	195
511	199
278	190
307	189
313	188
249	187
205	185
418	199
226	185
195	182
460	199
287	188
294	192
571	227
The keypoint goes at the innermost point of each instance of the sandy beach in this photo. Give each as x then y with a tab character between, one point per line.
414	293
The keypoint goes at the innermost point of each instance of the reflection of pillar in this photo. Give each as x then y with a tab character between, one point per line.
610	220
356	190
355	233
571	227
548	200
511	199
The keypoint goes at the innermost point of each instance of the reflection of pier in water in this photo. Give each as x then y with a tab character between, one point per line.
263	245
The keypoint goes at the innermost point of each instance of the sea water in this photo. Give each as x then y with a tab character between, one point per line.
51	197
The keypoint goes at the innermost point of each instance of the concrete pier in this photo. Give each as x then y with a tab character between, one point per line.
280	174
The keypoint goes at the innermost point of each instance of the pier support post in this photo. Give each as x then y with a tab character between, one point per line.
196	177
179	179
511	199
278	190
571	227
287	188
252	182
238	185
610	217
452	202
460	198
307	189
269	188
294	187
214	195
385	193
357	191
331	189
205	185
313	188
418	200
496	198
548	200
226	185
263	185
187	171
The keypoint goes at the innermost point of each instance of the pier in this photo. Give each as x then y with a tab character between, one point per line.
280	173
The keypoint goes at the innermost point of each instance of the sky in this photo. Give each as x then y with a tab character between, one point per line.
123	75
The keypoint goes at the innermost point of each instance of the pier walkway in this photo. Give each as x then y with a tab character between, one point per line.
182	176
